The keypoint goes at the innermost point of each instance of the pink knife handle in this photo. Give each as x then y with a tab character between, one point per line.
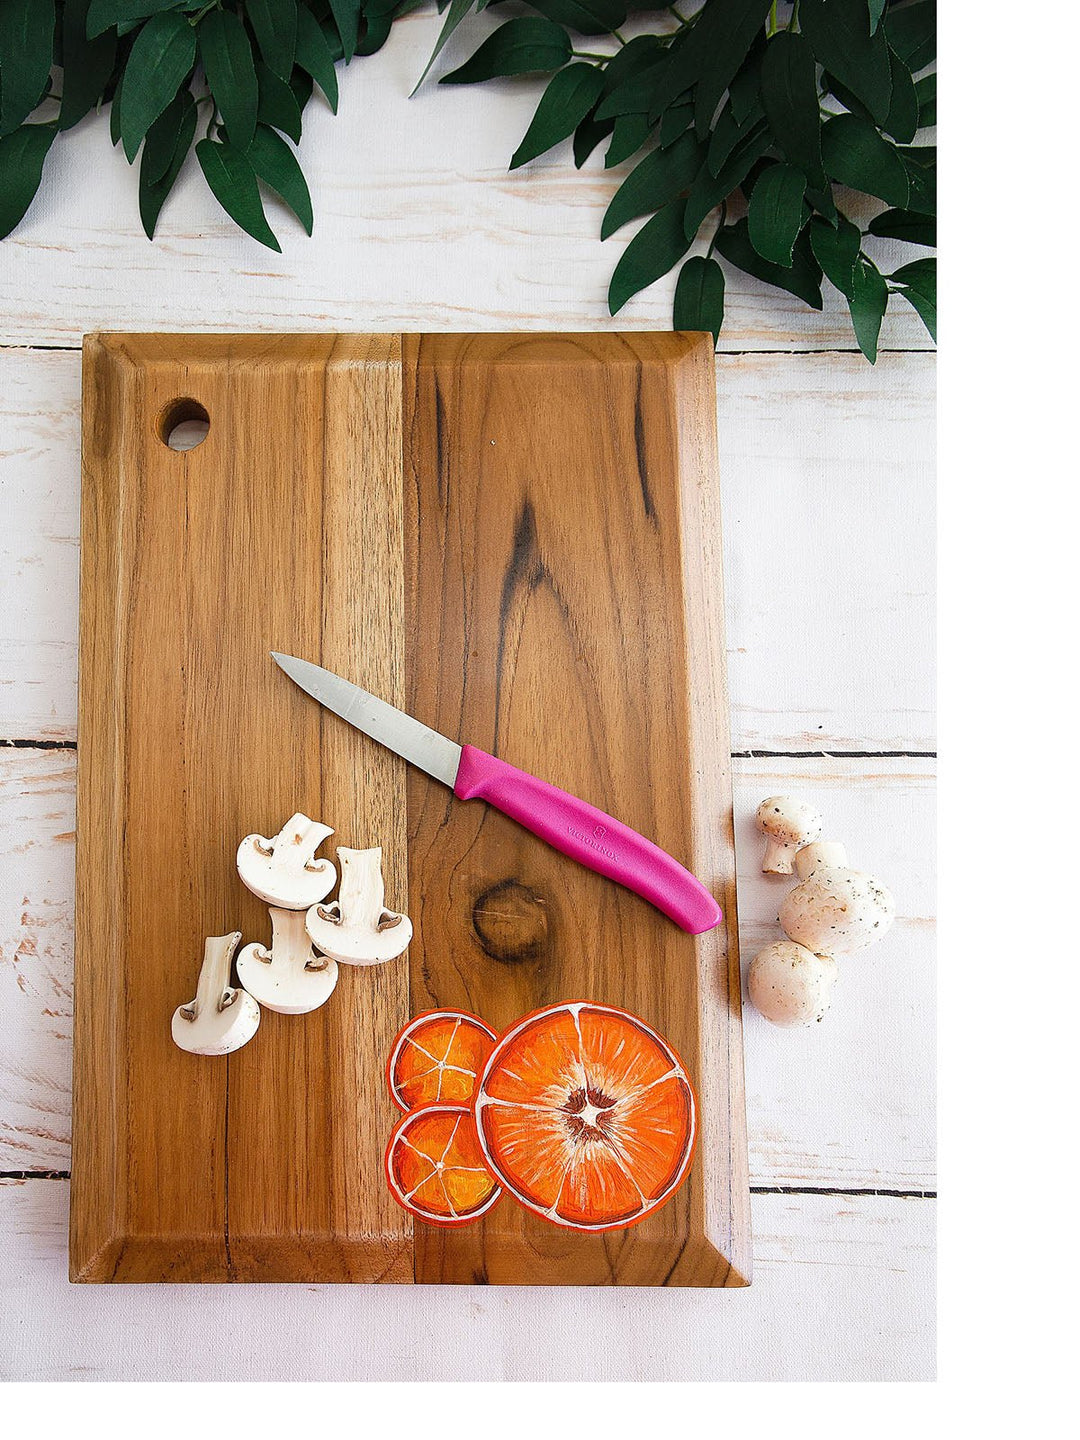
588	836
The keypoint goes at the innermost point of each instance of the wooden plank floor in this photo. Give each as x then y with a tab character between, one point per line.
827	479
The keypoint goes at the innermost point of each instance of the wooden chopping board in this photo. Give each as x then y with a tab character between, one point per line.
515	537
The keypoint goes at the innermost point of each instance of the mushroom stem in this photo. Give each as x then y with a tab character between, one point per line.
214	991
362	891
777	857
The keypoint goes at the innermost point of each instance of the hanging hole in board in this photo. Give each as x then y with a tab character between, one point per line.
184	424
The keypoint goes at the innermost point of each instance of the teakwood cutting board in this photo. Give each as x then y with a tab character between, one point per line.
516	537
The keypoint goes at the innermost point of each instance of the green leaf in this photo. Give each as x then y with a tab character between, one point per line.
699	296
231	177
839	35
654	181
454	16
905	225
921	164
867	302
658	245
114	111
776	213
744	92
727	135
375	29
903	118
155	190
912	32
276	165
26	51
926	94
919	281
22	155
570	95
726	41
519	47
346	15
789	95
274	24
836	249
857	156
588	135
629	135
108	14
278	105
801	278
313	55
675	122
587	17
630	78
160	61
88	64
877	9
708	190
230	73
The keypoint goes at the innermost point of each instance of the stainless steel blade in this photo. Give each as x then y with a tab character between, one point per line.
418	743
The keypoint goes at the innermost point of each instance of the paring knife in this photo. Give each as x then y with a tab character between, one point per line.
568	824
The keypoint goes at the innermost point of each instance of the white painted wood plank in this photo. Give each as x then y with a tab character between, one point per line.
843	1290
826	469
848	1103
418	226
851	1101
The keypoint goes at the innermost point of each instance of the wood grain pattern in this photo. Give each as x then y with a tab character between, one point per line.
539	583
548	481
195	566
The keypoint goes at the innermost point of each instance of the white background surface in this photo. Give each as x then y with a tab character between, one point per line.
828	500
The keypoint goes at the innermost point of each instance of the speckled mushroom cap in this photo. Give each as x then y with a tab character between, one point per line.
787	823
837	911
790	985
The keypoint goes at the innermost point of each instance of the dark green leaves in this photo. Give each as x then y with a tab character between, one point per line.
456	12
160	61
652	252
314	57
108	14
346	15
167	144
867	302
88	64
276	165
230	73
776	212
857	156
918	285
26	47
231	177
658	178
836	249
789	95
699	296
278	105
728	29
569	97
801	278
903	118
839	34
587	17
528	43
912	33
22	154
274	23
905	225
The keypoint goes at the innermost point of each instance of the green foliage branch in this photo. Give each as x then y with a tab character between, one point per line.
756	123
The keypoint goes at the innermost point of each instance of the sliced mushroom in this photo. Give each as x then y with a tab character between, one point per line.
222	1017
789	984
289	977
283	871
357	928
787	823
835	911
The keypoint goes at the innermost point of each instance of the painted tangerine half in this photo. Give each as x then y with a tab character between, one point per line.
436	1169
437	1059
586	1116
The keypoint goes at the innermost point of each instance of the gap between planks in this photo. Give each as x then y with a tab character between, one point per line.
720	354
735	754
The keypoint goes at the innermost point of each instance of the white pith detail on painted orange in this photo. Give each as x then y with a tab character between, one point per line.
435	1169
439	1063
592	1118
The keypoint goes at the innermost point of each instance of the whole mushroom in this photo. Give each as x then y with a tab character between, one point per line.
787	824
789	984
835	910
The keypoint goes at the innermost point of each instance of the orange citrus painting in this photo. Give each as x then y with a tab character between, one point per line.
580	1112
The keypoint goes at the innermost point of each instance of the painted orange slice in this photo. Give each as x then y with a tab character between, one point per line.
586	1116
436	1169
437	1058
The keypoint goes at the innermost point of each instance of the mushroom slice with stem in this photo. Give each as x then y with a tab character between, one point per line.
289	977
790	985
357	928
222	1017
787	823
283	871
836	910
